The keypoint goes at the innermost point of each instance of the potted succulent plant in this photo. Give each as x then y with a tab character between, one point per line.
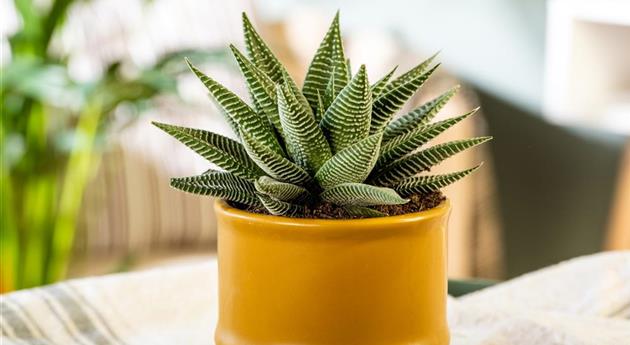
327	232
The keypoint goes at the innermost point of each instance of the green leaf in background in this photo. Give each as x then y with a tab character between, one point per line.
53	129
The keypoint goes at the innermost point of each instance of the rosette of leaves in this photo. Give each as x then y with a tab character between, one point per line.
335	140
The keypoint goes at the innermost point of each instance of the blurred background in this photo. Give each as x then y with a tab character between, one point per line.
84	175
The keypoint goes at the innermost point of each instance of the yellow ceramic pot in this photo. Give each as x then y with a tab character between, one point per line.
288	281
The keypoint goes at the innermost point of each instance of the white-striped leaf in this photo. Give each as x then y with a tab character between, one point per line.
287	80
233	125
219	185
244	116
419	116
260	53
281	208
431	183
261	88
349	69
281	190
309	147
413	73
391	100
217	149
347	120
353	164
379	86
321	109
359	194
274	164
361	211
329	60
329	92
409	142
423	160
263	58
219	179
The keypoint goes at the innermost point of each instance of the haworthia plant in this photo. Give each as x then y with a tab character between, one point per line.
337	140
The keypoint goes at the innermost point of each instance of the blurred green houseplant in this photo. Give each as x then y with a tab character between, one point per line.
50	132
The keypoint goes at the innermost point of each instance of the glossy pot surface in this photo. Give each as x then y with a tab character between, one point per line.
289	281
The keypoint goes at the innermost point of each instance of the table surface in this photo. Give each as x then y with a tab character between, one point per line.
583	301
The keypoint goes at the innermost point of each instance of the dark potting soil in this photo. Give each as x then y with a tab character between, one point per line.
325	210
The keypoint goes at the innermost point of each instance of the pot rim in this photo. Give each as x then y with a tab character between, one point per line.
222	207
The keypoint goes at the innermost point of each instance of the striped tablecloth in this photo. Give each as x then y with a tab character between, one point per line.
582	301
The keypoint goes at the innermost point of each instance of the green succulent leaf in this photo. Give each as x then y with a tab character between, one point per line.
321	109
261	88
219	184
409	142
287	80
274	164
217	149
329	61
281	190
244	116
347	120
358	194
428	184
332	141
352	164
349	69
423	160
266	61
309	146
392	99
281	208
411	74
379	86
233	125
419	116
329	92
361	211
221	179
260	53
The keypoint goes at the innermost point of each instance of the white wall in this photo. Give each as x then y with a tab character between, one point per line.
497	44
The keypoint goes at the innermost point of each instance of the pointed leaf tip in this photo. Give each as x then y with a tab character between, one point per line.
190	65
430	183
245	18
